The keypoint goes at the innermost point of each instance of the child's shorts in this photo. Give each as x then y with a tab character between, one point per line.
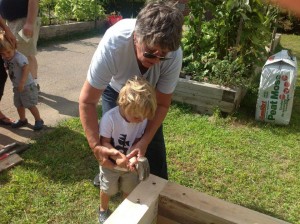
27	48
28	98
111	181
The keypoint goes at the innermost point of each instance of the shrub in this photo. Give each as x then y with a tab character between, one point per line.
79	10
62	11
227	47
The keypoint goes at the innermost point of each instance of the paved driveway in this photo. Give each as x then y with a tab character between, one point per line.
62	71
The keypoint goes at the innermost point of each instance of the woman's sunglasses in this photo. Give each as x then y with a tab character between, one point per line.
151	56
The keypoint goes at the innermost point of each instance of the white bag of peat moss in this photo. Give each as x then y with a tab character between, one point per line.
276	89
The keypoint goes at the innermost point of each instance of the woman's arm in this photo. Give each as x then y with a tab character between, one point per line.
32	13
88	101
9	35
163	104
120	159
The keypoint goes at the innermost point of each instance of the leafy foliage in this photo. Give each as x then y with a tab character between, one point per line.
46	8
80	10
225	41
61	11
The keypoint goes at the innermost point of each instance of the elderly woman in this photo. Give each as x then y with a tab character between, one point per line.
147	46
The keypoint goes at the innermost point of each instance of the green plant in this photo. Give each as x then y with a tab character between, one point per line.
63	10
86	10
79	10
227	72
46	9
236	32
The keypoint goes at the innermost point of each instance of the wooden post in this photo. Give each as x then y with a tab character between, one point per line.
141	205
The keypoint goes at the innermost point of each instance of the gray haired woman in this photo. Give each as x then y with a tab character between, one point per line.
148	46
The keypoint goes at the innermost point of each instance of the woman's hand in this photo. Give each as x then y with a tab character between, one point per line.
139	150
121	160
28	30
102	154
10	37
131	164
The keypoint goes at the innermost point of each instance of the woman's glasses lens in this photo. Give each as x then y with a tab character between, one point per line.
149	55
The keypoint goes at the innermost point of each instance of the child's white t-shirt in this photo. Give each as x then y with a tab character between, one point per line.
122	133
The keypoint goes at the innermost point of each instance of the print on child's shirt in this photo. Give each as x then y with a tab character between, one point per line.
122	144
9	67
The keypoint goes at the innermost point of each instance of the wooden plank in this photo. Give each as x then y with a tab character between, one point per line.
241	92
206	89
188	206
192	87
204	110
196	95
200	92
200	101
204	84
163	220
206	97
208	103
141	205
228	96
10	161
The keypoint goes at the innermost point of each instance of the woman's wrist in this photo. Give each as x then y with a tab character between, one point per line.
144	142
95	146
97	150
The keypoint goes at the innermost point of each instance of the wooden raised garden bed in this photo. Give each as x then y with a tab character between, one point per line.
158	201
60	30
205	97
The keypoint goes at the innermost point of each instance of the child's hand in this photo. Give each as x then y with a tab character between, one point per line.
121	160
132	162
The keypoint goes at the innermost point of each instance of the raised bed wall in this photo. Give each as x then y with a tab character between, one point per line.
205	97
53	31
158	201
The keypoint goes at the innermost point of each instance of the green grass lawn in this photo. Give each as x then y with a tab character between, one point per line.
253	164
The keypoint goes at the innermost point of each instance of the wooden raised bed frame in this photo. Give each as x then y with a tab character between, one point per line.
205	97
158	201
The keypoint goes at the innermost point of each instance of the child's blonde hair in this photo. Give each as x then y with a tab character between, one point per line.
138	97
4	43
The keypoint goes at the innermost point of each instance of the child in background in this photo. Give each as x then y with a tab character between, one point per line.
24	88
120	128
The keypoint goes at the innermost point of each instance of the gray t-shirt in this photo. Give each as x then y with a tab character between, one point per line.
114	62
15	66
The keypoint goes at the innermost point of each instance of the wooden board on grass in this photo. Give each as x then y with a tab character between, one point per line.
10	161
157	201
140	207
188	206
